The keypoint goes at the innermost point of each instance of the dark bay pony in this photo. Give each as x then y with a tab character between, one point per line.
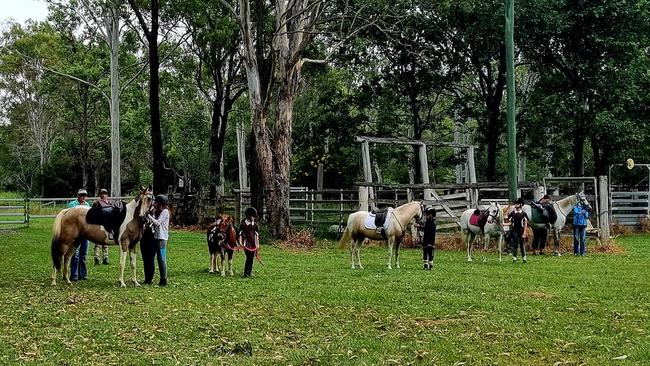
70	229
222	240
396	222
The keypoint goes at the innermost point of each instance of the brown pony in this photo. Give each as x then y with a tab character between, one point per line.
70	228
222	240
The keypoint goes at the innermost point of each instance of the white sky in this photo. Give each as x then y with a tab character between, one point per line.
21	10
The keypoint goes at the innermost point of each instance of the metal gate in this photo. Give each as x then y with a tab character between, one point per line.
629	202
14	211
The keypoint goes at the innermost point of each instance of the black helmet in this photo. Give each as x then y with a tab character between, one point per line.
519	201
251	212
161	198
430	211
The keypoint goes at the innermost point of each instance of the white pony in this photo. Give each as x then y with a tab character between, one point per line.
562	208
493	228
396	222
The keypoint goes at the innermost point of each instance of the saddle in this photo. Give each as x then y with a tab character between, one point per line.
380	216
545	214
479	218
111	218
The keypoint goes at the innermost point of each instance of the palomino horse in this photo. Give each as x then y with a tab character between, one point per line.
396	222
70	228
493	228
222	240
562	208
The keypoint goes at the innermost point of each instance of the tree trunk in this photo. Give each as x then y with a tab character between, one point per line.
241	156
492	147
114	43
220	111
578	153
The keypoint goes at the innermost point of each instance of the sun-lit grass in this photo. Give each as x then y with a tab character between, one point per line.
310	308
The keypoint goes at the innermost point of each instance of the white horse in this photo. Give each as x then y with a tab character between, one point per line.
396	222
493	228
562	208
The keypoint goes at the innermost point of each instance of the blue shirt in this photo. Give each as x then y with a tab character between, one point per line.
76	203
580	215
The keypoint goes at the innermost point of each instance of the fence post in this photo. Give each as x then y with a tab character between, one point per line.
603	198
363	198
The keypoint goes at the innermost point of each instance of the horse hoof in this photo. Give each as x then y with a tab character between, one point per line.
122	284
360	267
230	274
469	259
389	267
484	260
53	283
136	283
223	274
211	272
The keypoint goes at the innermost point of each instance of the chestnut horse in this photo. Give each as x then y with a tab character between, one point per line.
222	240
396	222
70	229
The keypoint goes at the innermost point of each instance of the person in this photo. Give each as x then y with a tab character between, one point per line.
104	204
78	268
161	235
580	217
249	239
148	249
429	238
518	222
540	236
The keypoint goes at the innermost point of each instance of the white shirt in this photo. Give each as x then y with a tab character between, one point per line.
161	225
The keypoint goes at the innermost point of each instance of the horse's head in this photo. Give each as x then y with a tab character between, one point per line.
145	201
493	212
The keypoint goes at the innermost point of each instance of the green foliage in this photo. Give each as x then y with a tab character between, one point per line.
310	307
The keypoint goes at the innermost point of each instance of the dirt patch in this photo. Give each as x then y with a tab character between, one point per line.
301	241
539	295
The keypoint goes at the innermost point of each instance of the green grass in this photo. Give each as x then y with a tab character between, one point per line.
310	308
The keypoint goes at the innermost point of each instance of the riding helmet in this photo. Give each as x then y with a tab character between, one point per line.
251	212
161	199
82	192
430	211
103	190
519	201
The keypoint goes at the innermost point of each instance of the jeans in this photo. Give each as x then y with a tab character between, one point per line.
78	262
540	238
161	255
517	240
148	250
427	253
579	240
248	266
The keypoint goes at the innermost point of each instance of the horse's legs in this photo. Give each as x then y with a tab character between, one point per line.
123	253
213	262
391	242
222	267
556	249
469	239
397	255
486	245
357	245
134	272
353	248
67	258
230	254
500	244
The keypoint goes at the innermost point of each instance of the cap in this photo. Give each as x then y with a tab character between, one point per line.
161	198
103	190
82	192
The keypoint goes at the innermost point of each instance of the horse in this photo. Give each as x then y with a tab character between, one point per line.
493	228
562	208
396	222
222	240
70	228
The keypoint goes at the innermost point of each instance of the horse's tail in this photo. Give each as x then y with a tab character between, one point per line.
56	236
345	239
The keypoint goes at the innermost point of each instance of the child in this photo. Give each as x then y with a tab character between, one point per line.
429	238
249	239
518	222
161	235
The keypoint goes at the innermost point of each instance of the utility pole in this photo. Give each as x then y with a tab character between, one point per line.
510	109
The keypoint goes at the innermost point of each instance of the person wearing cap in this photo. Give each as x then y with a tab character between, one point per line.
249	239
105	204
161	235
429	238
580	219
78	268
518	222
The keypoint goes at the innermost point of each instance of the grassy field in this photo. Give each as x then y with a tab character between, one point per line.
310	308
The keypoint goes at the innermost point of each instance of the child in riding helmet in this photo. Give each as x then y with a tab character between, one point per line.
249	239
429	238
518	222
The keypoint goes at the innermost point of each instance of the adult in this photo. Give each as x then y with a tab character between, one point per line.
580	217
249	239
518	222
161	235
78	268
540	234
106	206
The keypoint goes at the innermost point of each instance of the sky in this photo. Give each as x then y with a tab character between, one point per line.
21	10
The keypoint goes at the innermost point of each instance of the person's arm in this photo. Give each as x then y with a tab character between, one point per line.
153	220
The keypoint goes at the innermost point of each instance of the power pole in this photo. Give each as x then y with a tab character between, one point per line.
510	106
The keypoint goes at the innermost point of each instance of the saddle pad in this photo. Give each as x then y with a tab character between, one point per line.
473	220
369	222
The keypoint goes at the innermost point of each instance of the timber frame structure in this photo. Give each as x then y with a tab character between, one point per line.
366	188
